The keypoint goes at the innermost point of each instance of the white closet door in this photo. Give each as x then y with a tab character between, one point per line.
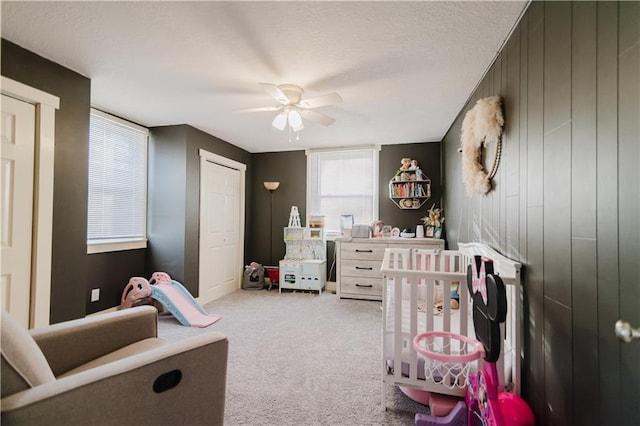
16	182
220	213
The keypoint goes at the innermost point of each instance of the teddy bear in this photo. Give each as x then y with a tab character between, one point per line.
406	164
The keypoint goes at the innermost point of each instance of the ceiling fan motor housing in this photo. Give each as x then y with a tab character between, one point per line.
292	92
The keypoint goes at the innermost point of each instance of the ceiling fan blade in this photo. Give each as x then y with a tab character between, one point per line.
317	117
322	100
259	109
275	92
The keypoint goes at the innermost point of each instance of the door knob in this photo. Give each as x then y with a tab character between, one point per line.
625	332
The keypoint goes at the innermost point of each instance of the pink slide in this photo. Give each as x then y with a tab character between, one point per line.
179	301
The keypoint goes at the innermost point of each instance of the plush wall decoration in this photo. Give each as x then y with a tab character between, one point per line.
482	126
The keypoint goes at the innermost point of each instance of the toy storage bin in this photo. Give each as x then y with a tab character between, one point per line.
253	278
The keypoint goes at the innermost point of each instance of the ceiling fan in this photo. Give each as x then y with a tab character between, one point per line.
293	108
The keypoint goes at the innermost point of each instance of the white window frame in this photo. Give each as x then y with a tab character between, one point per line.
120	244
375	176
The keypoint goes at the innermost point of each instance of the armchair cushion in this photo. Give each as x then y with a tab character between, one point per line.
123	353
23	363
71	344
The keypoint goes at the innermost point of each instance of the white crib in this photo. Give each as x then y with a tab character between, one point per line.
413	279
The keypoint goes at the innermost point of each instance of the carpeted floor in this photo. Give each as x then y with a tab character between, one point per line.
302	359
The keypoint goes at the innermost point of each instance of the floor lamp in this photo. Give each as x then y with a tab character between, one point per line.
271	186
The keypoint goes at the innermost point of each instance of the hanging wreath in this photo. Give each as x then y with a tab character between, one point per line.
482	126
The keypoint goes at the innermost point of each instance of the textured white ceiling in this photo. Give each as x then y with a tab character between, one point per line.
404	69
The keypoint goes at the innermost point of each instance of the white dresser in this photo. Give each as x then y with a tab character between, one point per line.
359	260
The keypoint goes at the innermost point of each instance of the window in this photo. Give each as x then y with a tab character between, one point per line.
343	182
117	207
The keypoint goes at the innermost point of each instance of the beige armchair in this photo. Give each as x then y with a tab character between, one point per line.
111	369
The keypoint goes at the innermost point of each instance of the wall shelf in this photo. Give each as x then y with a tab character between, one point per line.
409	189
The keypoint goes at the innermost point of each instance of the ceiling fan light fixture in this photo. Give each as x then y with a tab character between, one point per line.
295	120
280	121
293	109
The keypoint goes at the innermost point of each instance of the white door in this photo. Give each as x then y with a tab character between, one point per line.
16	182
220	242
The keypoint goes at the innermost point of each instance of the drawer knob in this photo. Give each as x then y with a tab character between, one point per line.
365	268
364	285
364	251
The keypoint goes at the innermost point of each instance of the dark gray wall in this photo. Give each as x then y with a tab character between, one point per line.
167	188
110	272
290	169
174	188
428	156
73	272
565	203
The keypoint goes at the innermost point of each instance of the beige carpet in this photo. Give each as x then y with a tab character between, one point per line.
302	359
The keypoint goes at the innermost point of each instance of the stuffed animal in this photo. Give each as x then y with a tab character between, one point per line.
413	165
454	298
406	164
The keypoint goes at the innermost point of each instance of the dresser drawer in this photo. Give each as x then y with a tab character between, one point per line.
362	251
360	268
360	286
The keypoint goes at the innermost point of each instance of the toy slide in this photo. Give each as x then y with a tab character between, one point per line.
177	300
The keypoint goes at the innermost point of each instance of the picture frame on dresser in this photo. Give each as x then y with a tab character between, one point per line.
430	231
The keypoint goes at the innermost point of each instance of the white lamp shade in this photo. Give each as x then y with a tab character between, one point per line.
271	186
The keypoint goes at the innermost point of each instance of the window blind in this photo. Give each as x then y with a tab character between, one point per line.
117	205
343	182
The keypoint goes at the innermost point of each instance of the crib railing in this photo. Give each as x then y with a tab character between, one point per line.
416	299
416	282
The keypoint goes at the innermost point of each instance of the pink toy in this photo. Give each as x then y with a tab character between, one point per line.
136	291
160	278
444	410
489	310
449	355
179	302
442	405
515	411
496	408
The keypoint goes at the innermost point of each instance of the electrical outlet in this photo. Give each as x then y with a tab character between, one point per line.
95	294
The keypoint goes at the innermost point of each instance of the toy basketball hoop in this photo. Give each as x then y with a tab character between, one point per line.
447	357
